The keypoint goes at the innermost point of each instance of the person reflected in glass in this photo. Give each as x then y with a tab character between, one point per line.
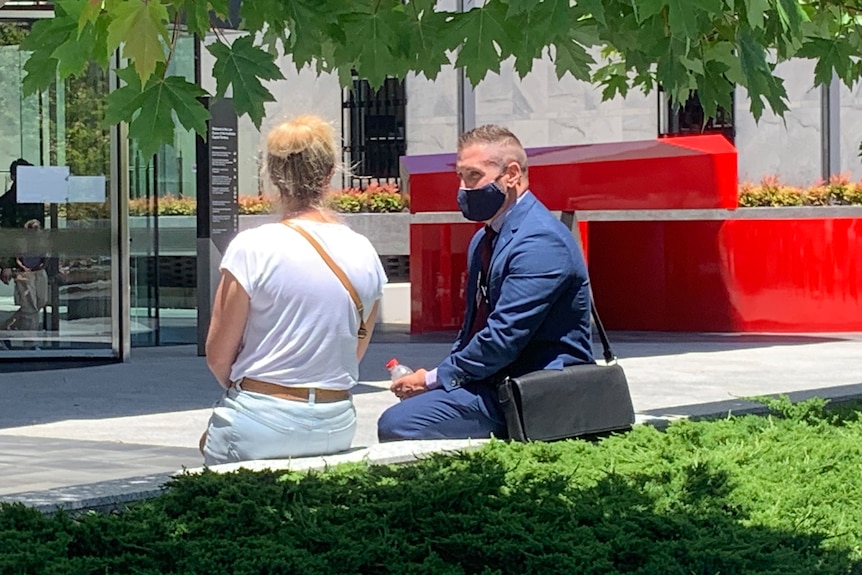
28	286
284	334
31	287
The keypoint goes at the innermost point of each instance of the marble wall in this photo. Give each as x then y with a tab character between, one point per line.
788	147
539	108
850	131
301	92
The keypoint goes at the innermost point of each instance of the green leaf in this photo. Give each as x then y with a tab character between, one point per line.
89	13
141	25
759	80
483	30
258	13
594	8
692	65
242	66
41	71
613	85
547	23
754	11
153	126
714	90
791	15
682	18
74	54
646	9
723	52
427	50
830	56
309	22
197	15
519	7
570	57
375	38
184	99
99	51
121	102
220	8
45	37
150	111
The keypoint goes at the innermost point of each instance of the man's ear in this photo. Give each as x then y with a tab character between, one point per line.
513	173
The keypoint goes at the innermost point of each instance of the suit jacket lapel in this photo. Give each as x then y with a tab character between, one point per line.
513	222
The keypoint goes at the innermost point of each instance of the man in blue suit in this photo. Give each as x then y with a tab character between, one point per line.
528	300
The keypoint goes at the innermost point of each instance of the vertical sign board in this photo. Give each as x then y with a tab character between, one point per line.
218	204
224	193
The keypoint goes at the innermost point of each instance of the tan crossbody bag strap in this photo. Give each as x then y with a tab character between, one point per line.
345	281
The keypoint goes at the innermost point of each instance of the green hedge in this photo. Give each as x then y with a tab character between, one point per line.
748	495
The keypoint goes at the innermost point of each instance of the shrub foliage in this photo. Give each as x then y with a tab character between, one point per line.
838	191
749	495
377	198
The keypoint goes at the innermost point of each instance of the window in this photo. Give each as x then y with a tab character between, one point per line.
374	130
688	119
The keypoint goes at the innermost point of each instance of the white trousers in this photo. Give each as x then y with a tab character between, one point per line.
246	425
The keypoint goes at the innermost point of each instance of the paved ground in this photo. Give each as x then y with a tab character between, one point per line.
71	431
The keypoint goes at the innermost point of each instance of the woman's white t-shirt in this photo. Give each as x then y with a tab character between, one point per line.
302	325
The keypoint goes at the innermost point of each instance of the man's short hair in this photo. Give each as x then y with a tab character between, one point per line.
508	144
13	167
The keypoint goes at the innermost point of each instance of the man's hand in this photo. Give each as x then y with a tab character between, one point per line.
410	385
6	275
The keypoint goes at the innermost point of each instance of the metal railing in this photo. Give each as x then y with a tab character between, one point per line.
373	131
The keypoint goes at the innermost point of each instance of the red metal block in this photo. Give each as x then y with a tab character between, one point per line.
691	172
729	276
438	263
671	173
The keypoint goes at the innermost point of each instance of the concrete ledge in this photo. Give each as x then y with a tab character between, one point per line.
106	496
112	495
781	213
378	454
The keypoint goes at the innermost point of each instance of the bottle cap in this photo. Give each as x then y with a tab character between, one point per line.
391	363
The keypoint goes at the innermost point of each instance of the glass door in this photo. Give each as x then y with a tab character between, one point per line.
59	236
163	231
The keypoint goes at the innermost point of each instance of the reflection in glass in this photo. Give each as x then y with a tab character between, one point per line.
60	295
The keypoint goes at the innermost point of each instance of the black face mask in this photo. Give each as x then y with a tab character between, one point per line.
480	204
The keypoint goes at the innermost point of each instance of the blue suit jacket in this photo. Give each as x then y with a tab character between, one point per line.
540	302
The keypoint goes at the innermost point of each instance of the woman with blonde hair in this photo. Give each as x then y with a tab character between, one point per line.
293	314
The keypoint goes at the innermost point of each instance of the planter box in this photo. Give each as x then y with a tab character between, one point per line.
389	233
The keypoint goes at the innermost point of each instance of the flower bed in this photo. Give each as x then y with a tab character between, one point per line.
376	198
838	191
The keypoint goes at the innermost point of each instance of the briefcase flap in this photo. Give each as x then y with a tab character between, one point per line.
577	400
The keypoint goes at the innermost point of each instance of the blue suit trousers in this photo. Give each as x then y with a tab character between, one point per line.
472	411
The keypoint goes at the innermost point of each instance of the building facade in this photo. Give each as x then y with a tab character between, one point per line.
121	274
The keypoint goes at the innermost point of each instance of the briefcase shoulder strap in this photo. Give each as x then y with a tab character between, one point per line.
603	335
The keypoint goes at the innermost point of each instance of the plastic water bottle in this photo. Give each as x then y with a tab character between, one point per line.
396	370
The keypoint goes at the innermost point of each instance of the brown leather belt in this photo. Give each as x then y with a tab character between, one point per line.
293	393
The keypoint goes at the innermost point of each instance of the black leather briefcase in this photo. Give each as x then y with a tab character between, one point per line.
577	401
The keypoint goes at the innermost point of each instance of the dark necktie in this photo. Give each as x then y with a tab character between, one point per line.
483	306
